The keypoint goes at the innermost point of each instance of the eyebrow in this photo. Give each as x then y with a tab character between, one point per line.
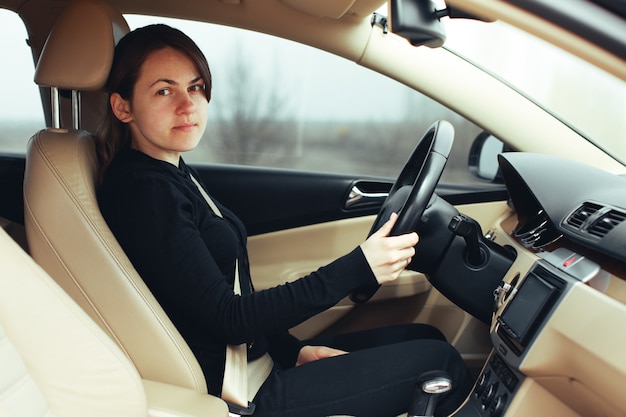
172	82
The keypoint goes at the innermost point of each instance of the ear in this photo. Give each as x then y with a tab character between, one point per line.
121	108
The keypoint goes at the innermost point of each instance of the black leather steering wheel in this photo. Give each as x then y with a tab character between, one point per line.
414	188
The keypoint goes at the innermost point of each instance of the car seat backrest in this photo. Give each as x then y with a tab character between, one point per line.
54	360
66	233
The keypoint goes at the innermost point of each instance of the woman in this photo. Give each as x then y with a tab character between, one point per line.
159	89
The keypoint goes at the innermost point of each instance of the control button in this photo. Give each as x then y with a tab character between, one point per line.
489	395
569	261
483	379
502	349
498	405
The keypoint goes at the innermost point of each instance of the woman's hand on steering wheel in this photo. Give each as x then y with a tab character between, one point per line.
410	194
387	255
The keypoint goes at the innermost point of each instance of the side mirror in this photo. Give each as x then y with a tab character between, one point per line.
483	157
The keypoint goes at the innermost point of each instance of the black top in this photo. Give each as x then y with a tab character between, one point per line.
186	255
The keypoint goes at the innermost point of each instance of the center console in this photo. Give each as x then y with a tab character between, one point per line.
524	306
495	388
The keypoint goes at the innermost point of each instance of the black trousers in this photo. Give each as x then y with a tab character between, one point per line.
375	379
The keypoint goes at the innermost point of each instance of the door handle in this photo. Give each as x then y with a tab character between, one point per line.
362	199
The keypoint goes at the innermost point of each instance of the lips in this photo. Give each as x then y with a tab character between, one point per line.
186	127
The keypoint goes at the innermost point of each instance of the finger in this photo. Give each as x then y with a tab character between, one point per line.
398	268
403	259
385	229
402	264
407	240
322	352
335	352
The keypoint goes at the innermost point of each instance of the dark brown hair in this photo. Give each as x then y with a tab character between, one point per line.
130	54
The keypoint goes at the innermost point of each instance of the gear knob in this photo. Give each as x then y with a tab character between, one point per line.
428	389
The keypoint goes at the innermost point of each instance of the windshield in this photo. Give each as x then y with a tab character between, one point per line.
586	98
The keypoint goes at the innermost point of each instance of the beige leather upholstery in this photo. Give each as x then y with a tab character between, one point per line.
53	354
78	52
69	238
55	361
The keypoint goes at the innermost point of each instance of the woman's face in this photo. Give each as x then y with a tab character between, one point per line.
168	111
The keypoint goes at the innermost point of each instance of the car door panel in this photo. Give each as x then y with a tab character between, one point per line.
11	180
269	199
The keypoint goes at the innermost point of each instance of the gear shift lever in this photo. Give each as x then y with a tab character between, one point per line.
428	389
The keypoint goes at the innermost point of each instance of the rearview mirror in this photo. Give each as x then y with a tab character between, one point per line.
419	21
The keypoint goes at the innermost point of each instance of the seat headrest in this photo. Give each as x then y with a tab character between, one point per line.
79	50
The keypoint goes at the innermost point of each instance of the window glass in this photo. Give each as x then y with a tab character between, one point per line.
21	112
277	103
582	95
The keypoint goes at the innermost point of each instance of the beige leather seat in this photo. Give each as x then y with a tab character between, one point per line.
66	233
55	361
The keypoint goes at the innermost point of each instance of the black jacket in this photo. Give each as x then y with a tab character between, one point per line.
186	255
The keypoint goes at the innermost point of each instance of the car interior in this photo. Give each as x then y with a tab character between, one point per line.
526	280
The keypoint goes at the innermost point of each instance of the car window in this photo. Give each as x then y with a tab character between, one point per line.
277	103
582	95
21	112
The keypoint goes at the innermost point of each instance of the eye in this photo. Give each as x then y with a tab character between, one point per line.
163	92
196	88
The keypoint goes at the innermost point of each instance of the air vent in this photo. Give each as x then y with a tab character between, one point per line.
578	218
538	232
595	219
606	222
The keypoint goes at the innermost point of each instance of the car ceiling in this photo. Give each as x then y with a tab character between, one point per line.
290	19
598	36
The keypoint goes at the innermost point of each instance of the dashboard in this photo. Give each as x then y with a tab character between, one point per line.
558	199
558	344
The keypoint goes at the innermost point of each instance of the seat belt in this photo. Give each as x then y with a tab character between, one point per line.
241	382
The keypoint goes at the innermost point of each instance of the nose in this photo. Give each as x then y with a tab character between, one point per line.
185	104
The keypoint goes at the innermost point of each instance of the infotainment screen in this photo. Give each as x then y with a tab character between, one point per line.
524	311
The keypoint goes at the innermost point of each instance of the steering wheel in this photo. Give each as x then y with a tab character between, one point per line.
410	194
